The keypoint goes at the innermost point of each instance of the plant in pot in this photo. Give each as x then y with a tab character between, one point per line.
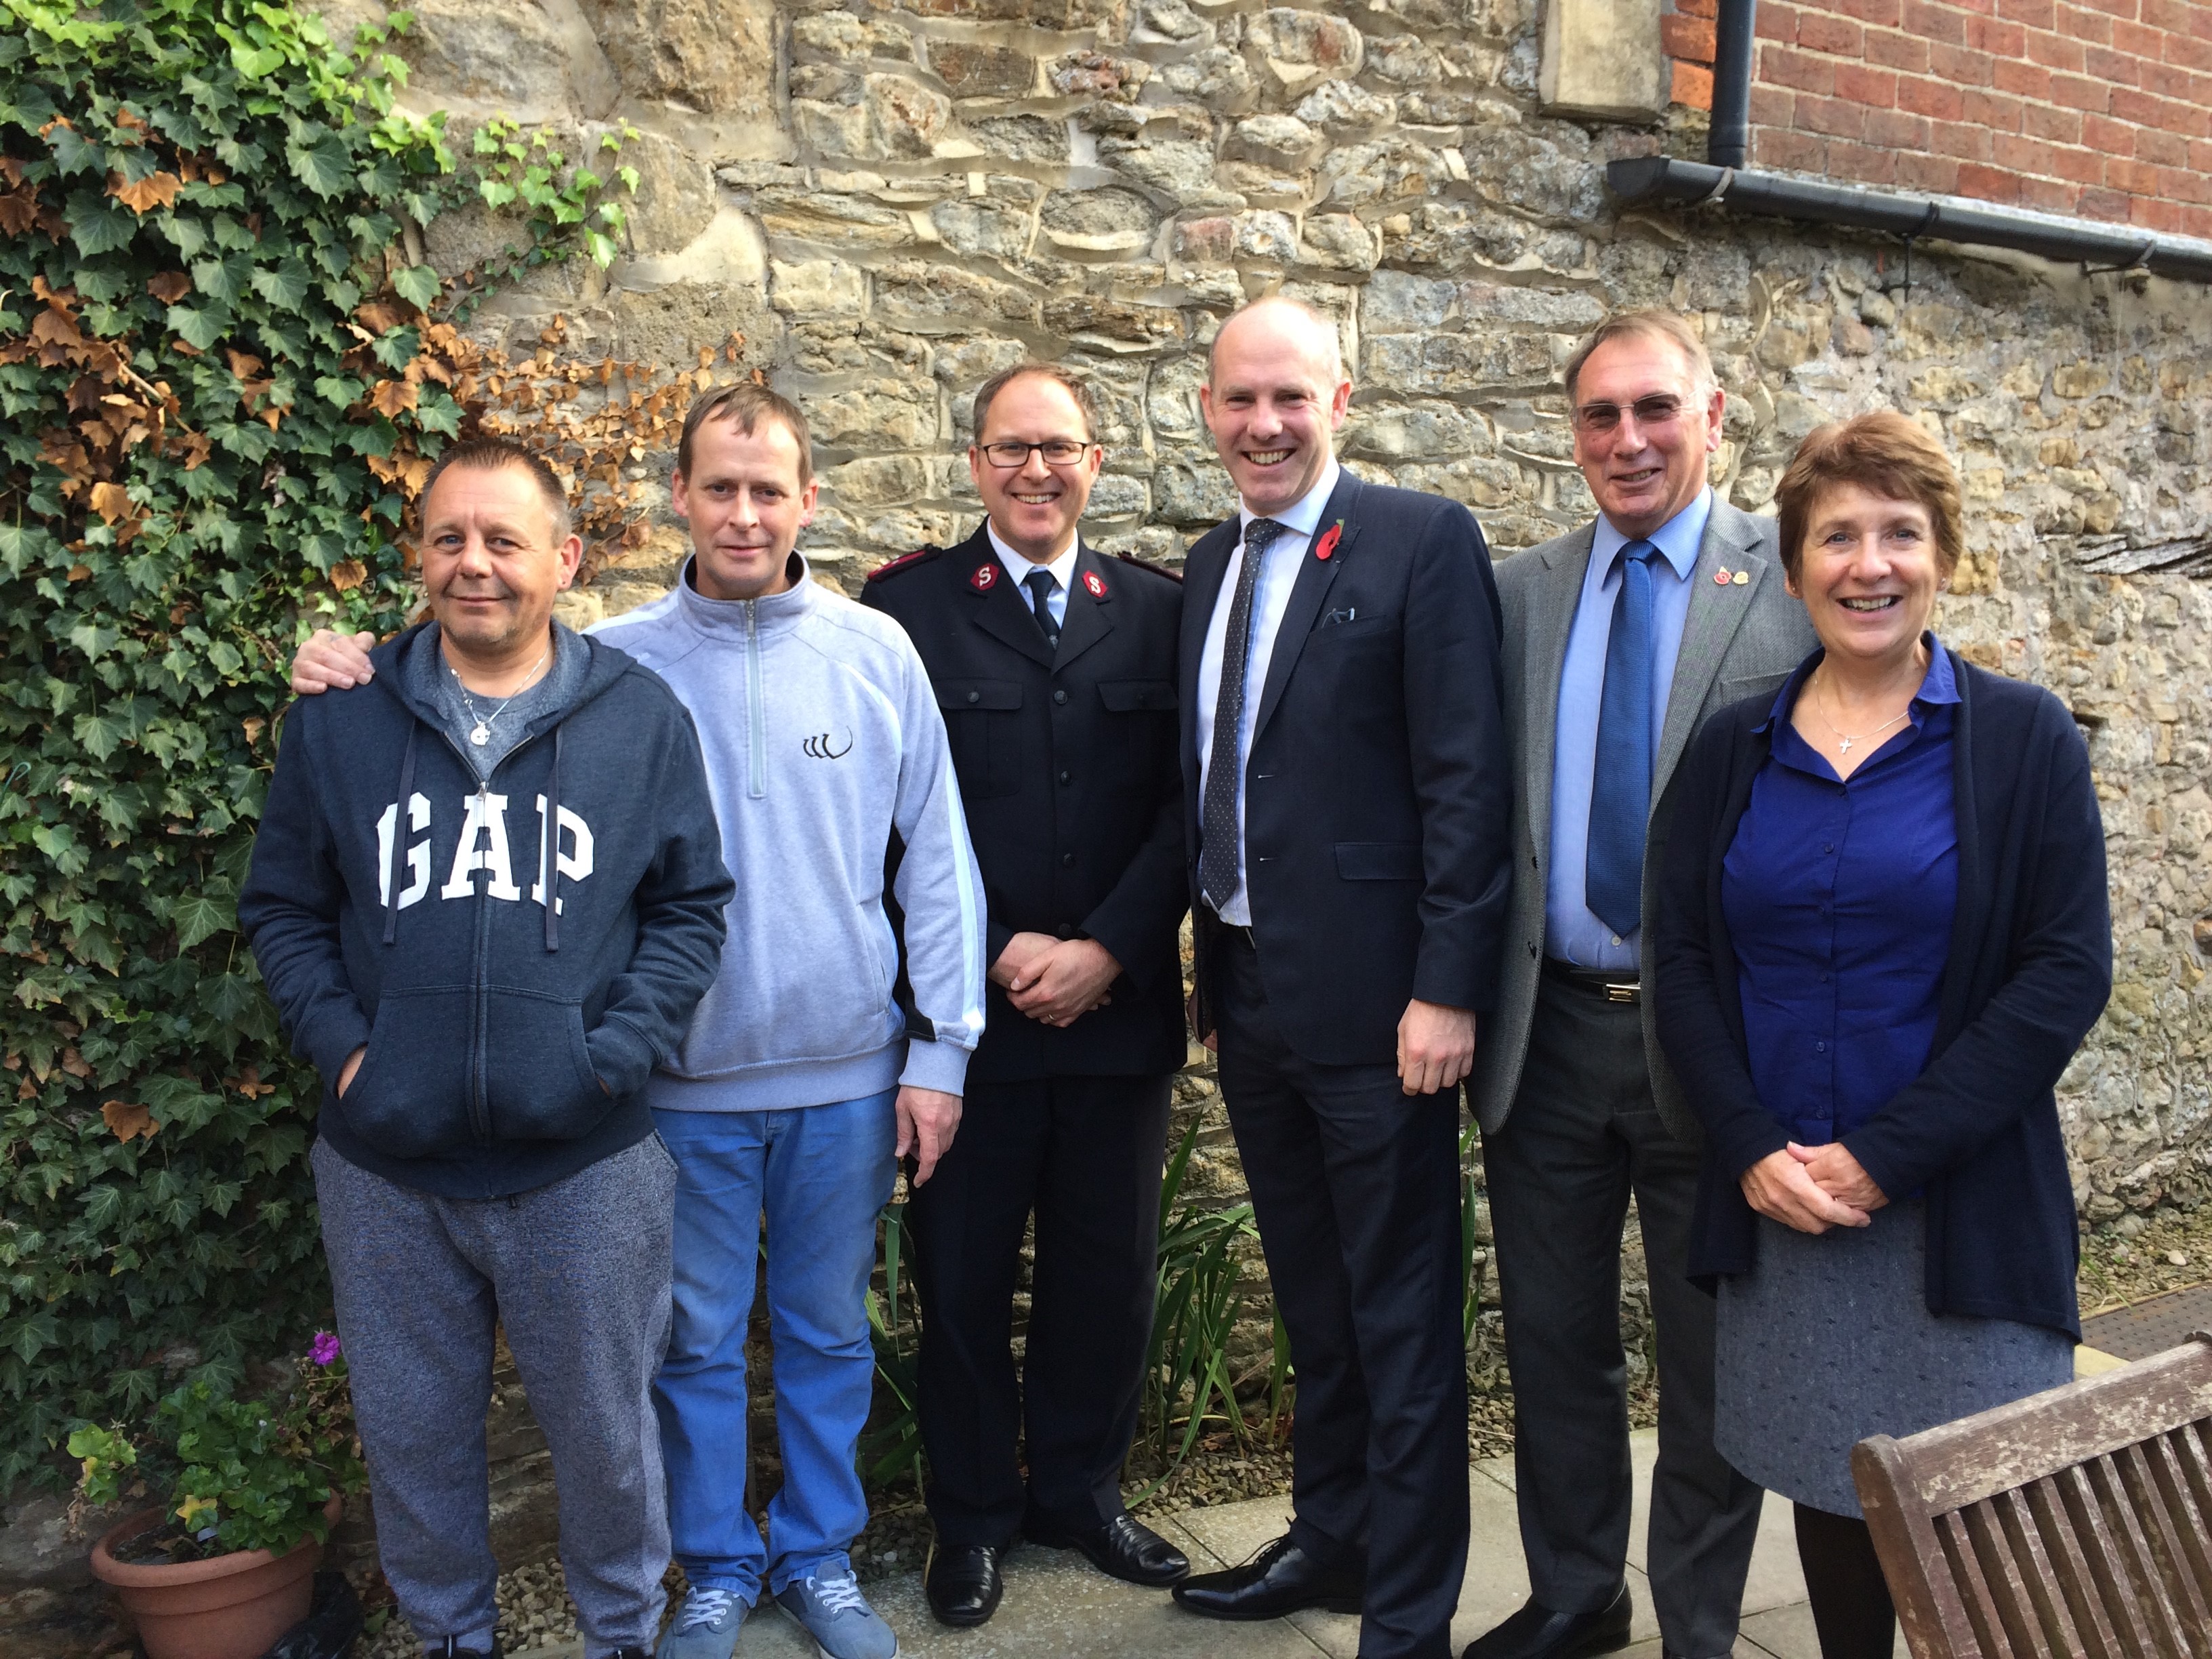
247	1491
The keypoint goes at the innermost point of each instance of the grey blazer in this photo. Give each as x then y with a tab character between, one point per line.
1738	641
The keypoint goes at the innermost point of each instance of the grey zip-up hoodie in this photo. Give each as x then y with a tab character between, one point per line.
824	743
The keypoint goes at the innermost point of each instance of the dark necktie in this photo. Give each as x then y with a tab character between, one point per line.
1040	584
1620	792
1217	857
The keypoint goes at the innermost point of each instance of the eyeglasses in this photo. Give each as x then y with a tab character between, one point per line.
1660	409
1057	451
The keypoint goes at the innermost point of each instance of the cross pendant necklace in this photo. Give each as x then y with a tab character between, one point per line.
1844	740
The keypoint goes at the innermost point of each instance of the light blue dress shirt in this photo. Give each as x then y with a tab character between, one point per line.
1571	932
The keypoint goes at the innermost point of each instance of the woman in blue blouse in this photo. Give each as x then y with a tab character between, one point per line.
1882	932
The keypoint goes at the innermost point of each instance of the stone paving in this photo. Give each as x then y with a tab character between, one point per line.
1057	1608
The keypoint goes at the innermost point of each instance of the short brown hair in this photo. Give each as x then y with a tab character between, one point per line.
745	405
489	454
1087	405
1884	453
1649	323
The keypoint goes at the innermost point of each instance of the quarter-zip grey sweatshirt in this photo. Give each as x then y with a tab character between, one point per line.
823	740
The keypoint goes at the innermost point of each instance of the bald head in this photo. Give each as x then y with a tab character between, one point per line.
1280	317
1273	397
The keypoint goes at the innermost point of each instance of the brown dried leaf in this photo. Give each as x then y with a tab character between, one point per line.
154	190
248	1082
73	1064
128	1121
348	574
112	501
170	287
78	572
391	397
253	725
18	211
243	364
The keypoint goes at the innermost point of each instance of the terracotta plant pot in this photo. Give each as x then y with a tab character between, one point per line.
228	1606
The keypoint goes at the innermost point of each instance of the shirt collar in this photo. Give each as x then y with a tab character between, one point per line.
1304	518
1018	565
1677	539
1939	685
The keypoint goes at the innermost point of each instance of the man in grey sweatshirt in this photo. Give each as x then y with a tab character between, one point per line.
805	1075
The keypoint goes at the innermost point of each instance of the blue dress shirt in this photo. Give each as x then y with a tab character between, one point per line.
1840	896
1572	932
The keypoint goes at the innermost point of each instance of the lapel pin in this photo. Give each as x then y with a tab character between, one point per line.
1721	577
985	575
1742	578
1330	537
1094	584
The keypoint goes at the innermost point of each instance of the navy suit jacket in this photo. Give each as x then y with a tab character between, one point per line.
2029	968
1378	792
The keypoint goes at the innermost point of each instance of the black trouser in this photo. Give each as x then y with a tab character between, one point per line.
1583	1134
1355	1185
1852	1613
1086	1154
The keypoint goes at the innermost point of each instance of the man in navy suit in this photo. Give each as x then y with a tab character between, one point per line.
1349	790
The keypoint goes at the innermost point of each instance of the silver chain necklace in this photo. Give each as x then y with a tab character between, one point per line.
480	733
1845	739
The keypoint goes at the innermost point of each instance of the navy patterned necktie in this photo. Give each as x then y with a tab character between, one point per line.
1621	790
1217	850
1040	583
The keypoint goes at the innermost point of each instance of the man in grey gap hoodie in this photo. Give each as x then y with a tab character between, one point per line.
803	1076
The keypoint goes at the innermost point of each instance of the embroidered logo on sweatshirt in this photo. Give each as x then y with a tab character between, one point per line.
824	745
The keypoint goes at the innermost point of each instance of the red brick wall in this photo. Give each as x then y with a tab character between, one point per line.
2102	109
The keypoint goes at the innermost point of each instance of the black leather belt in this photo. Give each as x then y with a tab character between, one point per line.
1620	987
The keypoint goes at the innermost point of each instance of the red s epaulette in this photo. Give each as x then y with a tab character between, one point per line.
905	561
1175	576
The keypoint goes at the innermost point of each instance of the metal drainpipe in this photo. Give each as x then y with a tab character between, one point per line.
1727	144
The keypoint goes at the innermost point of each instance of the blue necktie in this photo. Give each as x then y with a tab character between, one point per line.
1040	583
1621	792
1218	859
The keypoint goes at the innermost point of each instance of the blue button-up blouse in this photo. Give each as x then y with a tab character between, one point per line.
1840	894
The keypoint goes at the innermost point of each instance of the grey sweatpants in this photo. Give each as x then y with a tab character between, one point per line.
578	1273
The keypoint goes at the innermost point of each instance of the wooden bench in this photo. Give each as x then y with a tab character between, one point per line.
2074	1521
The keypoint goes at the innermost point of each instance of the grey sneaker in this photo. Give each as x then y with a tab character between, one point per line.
706	1627
832	1609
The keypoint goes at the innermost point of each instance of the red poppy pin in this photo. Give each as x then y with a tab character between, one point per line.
1330	537
1721	577
984	576
1095	583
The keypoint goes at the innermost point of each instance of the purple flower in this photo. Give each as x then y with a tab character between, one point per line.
324	1348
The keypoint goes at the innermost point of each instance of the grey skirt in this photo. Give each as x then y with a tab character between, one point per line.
1828	1340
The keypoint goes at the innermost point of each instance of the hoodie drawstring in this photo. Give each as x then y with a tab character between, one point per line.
400	836
550	876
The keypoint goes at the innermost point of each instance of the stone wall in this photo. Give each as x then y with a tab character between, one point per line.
890	201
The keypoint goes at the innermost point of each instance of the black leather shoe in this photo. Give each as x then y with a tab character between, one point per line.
1281	1578
963	1583
1123	1548
1537	1633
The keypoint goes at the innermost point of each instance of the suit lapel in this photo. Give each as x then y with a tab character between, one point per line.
1718	609
1308	590
1203	568
1559	594
1089	615
997	604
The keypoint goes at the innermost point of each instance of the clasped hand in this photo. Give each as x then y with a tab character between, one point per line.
1813	1188
1054	981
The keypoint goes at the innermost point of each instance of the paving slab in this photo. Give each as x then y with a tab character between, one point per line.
1058	1608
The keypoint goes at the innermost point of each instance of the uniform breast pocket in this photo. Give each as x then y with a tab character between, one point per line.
982	719
1143	712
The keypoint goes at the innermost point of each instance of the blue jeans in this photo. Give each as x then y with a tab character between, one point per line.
822	1173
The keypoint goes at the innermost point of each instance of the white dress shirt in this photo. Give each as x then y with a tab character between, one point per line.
1279	574
1062	568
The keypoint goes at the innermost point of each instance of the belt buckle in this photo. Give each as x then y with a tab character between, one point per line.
1628	994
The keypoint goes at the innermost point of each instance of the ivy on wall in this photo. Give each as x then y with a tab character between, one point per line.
205	423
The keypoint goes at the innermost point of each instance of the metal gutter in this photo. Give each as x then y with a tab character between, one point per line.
1659	179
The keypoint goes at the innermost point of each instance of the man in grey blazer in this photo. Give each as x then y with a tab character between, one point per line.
1620	638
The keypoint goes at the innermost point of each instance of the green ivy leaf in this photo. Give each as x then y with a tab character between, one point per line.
284	285
256	63
417	285
198	915
197	326
324	165
101	226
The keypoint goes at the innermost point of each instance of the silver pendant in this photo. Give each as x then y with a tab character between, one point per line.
481	735
1843	747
